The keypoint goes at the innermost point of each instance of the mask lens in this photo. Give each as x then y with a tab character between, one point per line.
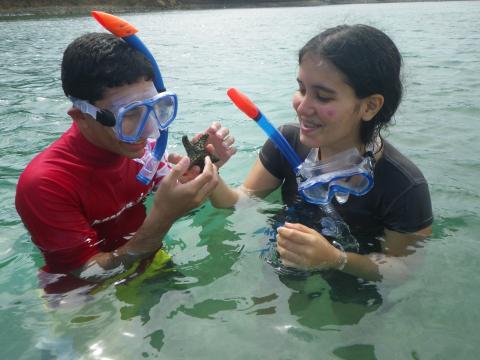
132	121
150	129
164	109
317	193
358	183
353	182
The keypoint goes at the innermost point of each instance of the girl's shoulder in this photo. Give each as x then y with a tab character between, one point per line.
402	192
396	166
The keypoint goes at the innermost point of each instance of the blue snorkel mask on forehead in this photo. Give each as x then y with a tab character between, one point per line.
144	115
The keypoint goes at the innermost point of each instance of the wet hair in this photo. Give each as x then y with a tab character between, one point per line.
96	61
370	63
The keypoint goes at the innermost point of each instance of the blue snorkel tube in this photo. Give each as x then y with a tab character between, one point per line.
252	111
126	32
333	224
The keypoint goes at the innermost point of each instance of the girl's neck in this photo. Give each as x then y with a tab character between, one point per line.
326	152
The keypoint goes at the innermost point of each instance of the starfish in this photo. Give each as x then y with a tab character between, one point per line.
196	151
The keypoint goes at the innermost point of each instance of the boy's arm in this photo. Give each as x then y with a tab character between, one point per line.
171	201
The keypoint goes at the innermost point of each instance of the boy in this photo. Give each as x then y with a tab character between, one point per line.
79	198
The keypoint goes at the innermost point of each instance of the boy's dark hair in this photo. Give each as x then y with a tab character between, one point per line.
96	61
370	63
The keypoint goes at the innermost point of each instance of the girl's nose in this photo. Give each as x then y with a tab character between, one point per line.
303	104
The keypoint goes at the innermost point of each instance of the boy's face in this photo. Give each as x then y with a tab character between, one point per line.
103	136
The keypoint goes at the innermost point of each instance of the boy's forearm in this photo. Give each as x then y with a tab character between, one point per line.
149	236
146	241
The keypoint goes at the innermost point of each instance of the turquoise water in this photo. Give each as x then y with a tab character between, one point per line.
220	301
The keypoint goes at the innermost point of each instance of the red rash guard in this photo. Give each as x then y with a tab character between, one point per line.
77	200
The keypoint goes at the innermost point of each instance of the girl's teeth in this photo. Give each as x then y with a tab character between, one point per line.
310	126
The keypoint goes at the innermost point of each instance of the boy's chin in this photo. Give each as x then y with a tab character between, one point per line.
134	150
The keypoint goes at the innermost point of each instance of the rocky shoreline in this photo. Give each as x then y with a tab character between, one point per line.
15	9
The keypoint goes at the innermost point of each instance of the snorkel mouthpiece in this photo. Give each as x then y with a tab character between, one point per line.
252	111
126	32
152	160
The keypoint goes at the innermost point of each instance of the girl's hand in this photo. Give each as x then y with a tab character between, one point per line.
219	143
302	247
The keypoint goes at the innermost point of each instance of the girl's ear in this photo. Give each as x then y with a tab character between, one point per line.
372	105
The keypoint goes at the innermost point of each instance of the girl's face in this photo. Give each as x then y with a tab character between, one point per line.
328	110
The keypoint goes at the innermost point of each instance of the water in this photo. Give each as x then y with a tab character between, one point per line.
220	301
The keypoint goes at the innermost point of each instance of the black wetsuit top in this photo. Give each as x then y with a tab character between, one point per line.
399	200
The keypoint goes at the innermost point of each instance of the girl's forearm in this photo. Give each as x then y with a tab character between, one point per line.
224	196
377	267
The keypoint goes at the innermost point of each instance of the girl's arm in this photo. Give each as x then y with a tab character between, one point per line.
305	248
259	183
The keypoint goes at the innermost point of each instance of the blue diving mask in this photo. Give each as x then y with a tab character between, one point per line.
134	119
345	173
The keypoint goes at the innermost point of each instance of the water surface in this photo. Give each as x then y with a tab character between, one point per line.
220	301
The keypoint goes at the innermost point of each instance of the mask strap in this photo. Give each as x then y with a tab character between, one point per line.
104	117
373	148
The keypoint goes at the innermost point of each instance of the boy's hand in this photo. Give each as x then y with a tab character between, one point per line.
171	201
219	143
174	199
189	174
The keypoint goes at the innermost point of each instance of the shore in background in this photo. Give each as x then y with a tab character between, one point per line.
14	9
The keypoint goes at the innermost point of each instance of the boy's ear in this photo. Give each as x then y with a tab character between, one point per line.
76	114
372	106
80	119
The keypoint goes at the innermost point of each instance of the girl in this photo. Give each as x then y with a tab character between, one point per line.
349	88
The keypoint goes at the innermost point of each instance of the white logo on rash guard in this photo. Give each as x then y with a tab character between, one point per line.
118	213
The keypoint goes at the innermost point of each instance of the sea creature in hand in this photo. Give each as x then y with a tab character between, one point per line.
196	151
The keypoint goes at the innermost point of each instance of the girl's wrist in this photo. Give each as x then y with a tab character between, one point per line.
341	261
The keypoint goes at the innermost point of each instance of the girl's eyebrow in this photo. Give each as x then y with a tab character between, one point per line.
319	87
